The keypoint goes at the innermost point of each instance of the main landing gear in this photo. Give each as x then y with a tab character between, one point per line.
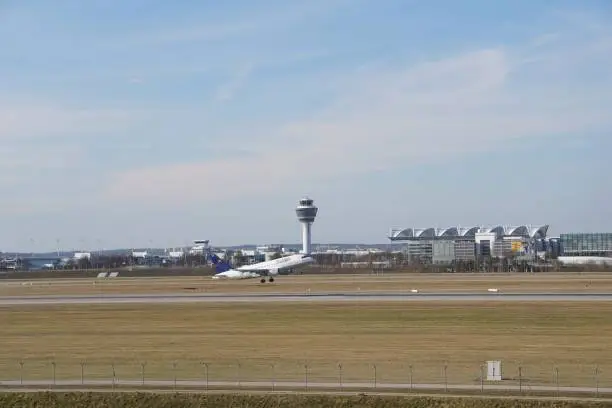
270	279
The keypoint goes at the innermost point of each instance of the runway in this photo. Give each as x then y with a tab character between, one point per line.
292	297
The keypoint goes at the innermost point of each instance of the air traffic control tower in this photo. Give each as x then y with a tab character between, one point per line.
306	213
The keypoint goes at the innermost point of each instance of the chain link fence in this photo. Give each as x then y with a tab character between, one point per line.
252	373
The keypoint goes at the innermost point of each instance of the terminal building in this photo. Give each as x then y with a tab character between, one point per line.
586	244
447	245
586	248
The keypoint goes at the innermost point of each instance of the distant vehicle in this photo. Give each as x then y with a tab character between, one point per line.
261	270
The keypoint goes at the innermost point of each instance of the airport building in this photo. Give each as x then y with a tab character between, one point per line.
586	244
446	245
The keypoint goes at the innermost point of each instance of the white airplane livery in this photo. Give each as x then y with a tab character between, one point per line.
259	270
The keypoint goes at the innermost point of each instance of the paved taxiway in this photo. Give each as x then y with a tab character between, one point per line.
314	297
303	385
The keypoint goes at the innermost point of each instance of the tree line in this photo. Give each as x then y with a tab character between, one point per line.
327	262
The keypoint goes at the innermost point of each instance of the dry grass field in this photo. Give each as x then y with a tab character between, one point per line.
548	282
275	341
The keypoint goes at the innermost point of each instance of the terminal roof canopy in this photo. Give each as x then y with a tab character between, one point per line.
525	231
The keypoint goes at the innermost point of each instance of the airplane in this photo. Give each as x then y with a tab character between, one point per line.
270	269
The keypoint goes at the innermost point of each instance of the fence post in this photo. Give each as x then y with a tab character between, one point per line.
445	377
375	374
143	364
340	375
238	374
557	379
306	375
53	367
82	372
21	372
410	367
273	376
520	369
597	381
113	367
206	369
482	369
174	364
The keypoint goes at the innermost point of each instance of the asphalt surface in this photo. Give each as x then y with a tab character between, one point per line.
315	297
303	385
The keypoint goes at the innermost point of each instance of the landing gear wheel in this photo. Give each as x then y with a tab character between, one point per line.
263	280
271	279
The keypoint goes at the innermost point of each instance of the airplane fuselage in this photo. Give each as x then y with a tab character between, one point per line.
268	268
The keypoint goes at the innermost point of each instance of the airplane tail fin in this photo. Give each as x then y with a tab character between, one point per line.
220	265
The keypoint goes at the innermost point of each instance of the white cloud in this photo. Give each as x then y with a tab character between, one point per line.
264	18
389	116
586	21
19	119
38	138
229	89
28	169
26	157
209	32
545	39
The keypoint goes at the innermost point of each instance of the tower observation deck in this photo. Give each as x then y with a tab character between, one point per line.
306	212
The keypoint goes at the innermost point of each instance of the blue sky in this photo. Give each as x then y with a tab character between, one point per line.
132	122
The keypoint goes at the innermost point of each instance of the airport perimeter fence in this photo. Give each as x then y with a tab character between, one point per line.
204	374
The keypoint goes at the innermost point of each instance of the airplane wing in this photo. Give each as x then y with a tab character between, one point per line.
262	271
